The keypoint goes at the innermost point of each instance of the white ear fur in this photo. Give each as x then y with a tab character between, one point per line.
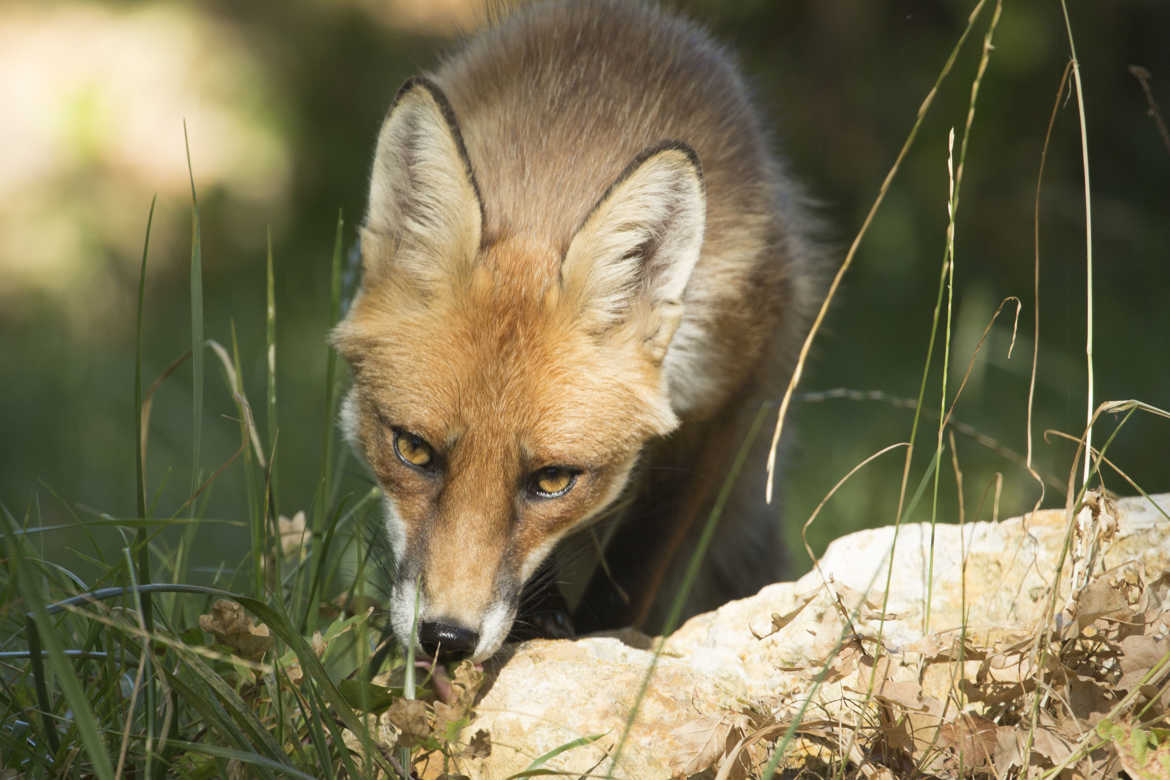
425	214
637	248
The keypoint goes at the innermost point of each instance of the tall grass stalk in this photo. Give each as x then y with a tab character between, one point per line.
196	322
197	386
1073	498
253	461
1076	69
849	255
1073	504
1036	285
139	466
146	606
948	274
270	363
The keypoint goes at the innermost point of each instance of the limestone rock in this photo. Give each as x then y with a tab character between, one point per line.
728	682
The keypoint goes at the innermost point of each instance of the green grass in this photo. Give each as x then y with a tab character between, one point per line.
116	677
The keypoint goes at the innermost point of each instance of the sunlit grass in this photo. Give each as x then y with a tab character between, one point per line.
125	679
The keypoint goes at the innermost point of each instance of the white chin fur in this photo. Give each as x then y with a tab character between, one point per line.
402	610
493	630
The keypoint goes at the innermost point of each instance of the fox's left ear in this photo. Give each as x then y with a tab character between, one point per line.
633	256
425	214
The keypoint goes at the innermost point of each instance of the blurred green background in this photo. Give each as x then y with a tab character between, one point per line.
283	101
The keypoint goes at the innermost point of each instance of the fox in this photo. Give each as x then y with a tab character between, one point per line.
583	269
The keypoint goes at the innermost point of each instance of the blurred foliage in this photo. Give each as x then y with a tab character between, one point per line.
305	85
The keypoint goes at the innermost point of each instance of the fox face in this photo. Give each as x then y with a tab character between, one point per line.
504	384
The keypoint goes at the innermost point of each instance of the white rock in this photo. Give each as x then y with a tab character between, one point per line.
760	655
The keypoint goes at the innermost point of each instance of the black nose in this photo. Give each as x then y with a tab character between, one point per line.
446	639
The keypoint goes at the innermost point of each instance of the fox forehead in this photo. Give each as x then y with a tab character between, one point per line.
500	352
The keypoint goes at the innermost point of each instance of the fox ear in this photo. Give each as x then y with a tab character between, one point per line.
425	215
634	254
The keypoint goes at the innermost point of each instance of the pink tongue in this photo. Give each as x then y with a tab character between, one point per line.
440	679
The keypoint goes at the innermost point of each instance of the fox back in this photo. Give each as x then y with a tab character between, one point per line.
581	264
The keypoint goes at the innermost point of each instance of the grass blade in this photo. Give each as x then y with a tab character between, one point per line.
196	321
270	339
146	604
236	708
212	713
243	757
140	466
41	630
1076	69
312	718
534	768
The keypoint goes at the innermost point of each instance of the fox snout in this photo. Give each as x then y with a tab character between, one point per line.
444	628
456	589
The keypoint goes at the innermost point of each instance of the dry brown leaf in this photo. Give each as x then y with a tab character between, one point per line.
897	732
855	606
465	684
708	741
480	745
845	663
1140	654
232	627
1009	742
747	749
909	696
1009	667
412	719
447	717
454	710
973	738
779	620
1052	745
1089	700
1106	595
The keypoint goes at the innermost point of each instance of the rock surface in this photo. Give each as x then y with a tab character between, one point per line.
729	682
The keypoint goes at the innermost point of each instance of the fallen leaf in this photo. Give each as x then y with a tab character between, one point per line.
974	738
232	627
480	745
412	719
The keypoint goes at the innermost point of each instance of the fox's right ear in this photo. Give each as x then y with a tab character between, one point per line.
425	214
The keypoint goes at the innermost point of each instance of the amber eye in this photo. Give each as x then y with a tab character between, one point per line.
552	481
413	450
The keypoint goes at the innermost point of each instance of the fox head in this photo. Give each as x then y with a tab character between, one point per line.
504	386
